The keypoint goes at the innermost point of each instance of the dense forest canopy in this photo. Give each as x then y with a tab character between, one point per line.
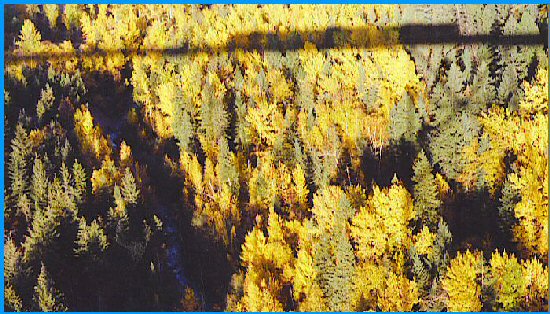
275	158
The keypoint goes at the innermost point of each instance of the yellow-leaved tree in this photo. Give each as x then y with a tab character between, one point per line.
381	228
523	134
269	267
462	283
381	232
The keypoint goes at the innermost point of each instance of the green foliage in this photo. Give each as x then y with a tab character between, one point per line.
44	231
29	40
455	80
183	130
508	84
449	141
405	121
483	90
119	213
39	184
12	301
277	163
17	172
12	261
47	298
52	13
45	103
227	170
80	182
421	272
67	189
509	284
426	200
510	197
333	254
214	120
128	188
441	247
91	239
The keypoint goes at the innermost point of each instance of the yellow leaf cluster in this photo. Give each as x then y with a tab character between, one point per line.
525	135
266	121
91	136
461	283
105	176
399	295
424	242
382	227
269	262
536	94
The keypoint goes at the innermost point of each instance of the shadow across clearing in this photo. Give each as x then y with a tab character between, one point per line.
368	37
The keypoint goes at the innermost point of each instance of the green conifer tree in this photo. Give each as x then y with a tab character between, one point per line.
443	239
12	261
91	239
421	273
43	233
333	253
17	172
455	79
13	302
182	127
483	89
68	190
426	200
47	298
448	142
510	197
227	171
508	86
39	184
45	103
129	189
214	120
79	179
404	121
339	272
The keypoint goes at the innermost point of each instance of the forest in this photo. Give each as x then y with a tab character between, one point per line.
276	157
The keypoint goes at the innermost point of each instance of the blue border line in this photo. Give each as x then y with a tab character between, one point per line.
276	2
2	140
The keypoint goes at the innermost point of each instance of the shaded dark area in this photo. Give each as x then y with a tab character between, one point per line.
450	34
331	38
474	221
200	262
472	216
110	282
379	166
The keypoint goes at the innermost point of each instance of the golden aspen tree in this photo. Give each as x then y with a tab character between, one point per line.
535	275
510	287
381	227
92	141
462	282
269	262
525	135
399	294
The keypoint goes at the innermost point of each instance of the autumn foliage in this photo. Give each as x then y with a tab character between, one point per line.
274	158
